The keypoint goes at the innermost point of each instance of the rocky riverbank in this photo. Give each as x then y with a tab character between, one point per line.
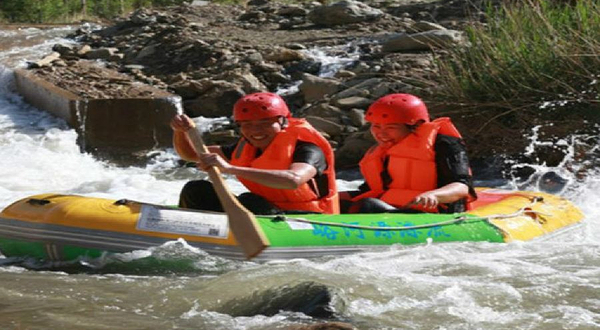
211	55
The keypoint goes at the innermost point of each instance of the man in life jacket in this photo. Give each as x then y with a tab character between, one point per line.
417	165
284	162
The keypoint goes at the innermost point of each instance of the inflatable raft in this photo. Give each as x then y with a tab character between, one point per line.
68	227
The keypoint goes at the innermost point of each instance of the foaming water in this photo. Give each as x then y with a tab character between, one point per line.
17	46
551	283
39	154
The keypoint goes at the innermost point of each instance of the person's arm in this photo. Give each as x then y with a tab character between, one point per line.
181	142
292	178
296	175
447	194
454	177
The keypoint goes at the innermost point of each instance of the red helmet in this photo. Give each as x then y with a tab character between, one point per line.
260	106
397	109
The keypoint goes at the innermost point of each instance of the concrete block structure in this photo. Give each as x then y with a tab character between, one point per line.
106	127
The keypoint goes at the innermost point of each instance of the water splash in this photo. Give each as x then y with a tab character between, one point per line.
331	60
578	159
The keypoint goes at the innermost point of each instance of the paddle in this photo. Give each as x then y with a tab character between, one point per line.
241	221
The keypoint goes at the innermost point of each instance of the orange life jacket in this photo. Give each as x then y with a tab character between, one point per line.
411	165
278	156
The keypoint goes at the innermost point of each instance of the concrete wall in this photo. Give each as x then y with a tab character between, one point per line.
46	96
106	127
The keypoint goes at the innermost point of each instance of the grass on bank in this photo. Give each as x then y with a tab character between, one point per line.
531	54
68	11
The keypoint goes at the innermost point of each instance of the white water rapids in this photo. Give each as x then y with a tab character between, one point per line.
544	284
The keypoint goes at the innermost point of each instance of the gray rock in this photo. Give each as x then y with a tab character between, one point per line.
344	12
247	80
423	26
423	41
331	128
281	55
357	116
146	52
101	53
46	61
63	49
344	74
323	110
315	88
361	89
292	10
353	102
254	58
84	50
353	149
217	101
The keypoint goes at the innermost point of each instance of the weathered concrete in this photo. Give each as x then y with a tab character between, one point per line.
108	127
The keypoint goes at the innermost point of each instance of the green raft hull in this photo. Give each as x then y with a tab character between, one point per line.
65	227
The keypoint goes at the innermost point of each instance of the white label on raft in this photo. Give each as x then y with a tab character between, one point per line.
298	225
163	220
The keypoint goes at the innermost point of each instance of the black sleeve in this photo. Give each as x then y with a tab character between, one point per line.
310	154
228	150
452	162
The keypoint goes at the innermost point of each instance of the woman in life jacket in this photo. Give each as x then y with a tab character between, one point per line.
284	162
418	165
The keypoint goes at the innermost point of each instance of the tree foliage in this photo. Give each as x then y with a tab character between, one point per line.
48	11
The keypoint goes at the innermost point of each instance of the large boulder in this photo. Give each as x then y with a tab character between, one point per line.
344	12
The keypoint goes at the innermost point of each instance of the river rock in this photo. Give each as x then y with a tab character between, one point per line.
101	53
83	50
281	54
315	88
354	148
359	88
46	61
353	102
292	10
248	81
323	110
328	126
64	50
309	298
217	101
423	26
344	12
423	41
357	116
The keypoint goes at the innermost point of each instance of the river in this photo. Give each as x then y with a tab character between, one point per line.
543	284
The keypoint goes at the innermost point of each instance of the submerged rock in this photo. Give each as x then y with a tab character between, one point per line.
309	298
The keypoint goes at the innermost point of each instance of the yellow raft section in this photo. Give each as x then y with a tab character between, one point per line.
525	215
93	213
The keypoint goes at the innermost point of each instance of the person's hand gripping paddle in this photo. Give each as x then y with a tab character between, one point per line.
241	221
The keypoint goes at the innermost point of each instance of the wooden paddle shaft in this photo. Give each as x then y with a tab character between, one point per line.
241	221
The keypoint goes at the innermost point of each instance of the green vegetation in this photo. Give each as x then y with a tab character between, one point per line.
61	11
531	54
